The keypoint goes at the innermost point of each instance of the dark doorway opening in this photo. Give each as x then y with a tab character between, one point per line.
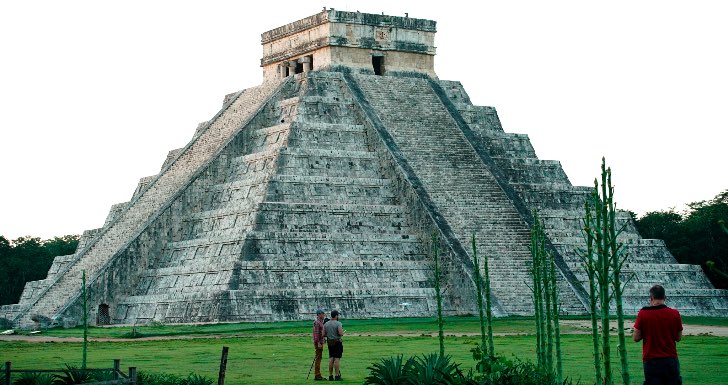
103	317
378	64
299	67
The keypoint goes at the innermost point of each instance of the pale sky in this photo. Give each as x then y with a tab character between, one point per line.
93	94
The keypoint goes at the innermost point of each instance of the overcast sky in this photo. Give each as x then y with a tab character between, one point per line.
93	94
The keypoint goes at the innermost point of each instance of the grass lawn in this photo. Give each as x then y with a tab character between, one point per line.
260	355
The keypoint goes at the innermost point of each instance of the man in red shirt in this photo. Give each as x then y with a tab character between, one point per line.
318	342
659	328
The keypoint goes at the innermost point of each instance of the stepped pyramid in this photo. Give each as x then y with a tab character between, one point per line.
322	187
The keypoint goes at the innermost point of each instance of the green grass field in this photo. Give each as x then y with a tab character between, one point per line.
277	354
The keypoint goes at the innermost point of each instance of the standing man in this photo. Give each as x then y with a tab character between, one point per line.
318	342
334	332
659	328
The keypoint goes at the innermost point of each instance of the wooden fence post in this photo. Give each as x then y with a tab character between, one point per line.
132	375
7	373
223	366
117	368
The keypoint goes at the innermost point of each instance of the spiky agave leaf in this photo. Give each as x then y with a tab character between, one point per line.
72	375
433	369
389	371
34	378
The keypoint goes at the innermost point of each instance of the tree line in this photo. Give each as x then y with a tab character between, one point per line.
28	259
694	236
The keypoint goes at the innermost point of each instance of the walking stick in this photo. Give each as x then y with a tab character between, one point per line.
309	369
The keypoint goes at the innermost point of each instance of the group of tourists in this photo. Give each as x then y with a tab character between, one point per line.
658	327
328	331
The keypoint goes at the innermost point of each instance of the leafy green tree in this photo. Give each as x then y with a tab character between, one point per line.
694	236
28	259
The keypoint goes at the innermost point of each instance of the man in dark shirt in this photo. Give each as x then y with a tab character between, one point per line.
659	328
334	331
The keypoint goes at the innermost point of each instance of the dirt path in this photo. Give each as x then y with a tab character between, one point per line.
577	327
688	330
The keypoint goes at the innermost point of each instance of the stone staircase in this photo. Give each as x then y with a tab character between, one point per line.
543	185
461	186
331	232
188	279
133	220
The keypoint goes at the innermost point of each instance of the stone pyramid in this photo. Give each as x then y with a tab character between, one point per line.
323	186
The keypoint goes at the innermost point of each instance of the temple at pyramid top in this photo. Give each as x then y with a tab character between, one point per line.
374	44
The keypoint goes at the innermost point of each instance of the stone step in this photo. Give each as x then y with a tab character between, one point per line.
254	158
328	217
321	137
322	127
326	110
327	153
244	191
506	145
320	189
310	245
189	279
332	163
330	99
265	138
432	143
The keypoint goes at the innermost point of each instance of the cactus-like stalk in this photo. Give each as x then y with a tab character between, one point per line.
600	230
603	260
591	270
547	298
438	293
617	260
85	319
479	292
537	303
555	313
488	305
544	288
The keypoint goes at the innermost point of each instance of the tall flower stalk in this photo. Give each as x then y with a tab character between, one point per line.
545	300
486	338
590	266
488	305
438	292
479	292
555	319
604	260
85	319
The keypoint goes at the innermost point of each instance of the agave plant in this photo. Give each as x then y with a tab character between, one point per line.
196	379
146	378
72	375
389	371
34	378
433	369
